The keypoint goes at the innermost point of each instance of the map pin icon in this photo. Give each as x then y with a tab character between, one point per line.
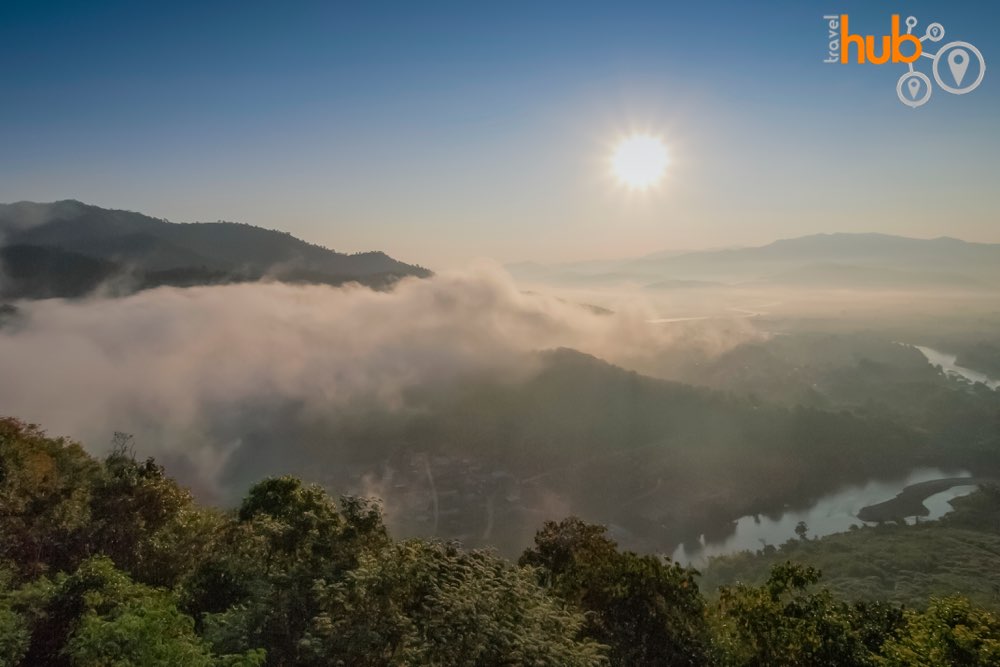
914	86
958	63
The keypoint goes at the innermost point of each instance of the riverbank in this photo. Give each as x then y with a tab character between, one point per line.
833	513
959	553
949	364
910	501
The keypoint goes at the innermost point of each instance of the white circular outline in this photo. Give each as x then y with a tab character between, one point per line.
913	104
937	75
928	35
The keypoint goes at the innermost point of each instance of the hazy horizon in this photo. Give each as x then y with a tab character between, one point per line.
472	259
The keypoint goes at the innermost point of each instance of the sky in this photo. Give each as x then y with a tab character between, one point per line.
444	132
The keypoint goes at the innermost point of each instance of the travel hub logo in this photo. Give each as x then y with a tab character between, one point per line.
964	63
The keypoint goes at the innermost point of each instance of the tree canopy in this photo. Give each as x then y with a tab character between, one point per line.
112	563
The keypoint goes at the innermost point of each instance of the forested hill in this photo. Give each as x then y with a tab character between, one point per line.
110	562
68	248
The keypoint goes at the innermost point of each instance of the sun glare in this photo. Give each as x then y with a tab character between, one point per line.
639	161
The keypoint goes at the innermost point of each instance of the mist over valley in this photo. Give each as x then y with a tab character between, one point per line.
475	407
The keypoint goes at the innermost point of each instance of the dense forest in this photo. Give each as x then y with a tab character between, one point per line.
112	563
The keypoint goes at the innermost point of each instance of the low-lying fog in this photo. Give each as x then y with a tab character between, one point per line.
166	363
230	383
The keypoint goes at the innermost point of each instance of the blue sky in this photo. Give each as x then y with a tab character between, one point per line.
445	131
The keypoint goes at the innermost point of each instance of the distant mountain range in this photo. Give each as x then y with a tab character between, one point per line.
68	249
857	261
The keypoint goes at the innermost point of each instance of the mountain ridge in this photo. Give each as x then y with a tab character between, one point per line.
880	259
155	251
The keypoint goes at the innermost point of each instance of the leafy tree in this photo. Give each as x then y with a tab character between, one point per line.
297	523
98	616
261	588
44	499
423	603
782	624
58	507
13	638
647	611
801	529
145	632
144	521
14	630
952	632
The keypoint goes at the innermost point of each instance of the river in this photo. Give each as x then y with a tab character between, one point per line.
833	513
947	363
837	512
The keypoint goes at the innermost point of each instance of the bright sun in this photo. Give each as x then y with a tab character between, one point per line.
639	161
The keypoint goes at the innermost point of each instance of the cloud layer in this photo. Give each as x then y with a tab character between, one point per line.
171	365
